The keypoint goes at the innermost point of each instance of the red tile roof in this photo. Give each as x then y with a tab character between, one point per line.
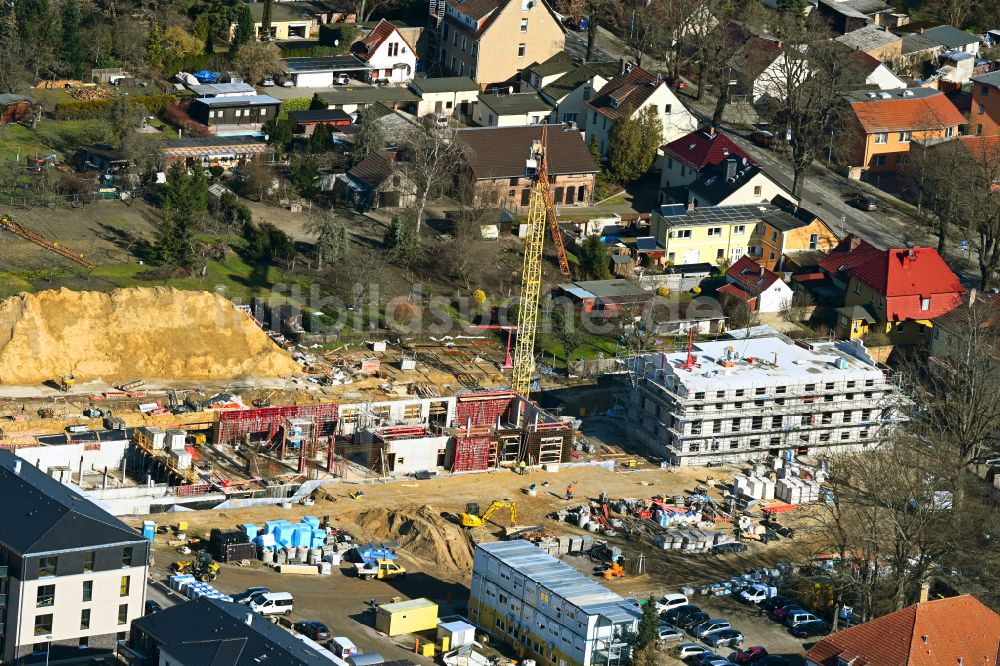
735	291
943	632
374	39
907	113
704	147
850	252
751	276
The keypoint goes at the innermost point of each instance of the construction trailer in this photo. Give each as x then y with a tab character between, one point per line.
406	617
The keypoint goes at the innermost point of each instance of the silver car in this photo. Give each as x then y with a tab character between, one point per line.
668	634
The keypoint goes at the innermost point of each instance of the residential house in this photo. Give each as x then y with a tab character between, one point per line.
234	115
629	93
374	182
733	182
985	114
759	69
72	576
939	632
509	110
356	98
537	75
686	158
305	122
789	230
211	631
710	234
870	71
390	56
609	298
917	52
570	92
448	96
846	16
492	41
953	39
762	289
495	161
319	72
895	292
876	41
227	152
16	108
289	21
238	89
882	124
975	316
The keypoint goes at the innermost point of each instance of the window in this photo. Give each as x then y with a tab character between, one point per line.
925	304
857	287
88	561
813	241
984	90
716	426
756	423
878	160
979	129
902	158
720	254
85	618
454	39
739	229
43	624
524	25
84	642
667	108
47	566
127	556
950	131
736	425
714	231
124	585
520	50
881	137
981	110
45	596
122	613
774	235
684	233
88	590
904	137
756	190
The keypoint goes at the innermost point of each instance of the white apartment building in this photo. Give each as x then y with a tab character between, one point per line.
736	400
72	576
546	610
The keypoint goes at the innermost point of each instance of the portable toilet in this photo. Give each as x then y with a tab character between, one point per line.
149	529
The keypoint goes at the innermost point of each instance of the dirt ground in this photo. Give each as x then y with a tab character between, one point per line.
436	551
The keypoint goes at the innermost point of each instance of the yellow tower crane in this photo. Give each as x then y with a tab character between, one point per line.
541	211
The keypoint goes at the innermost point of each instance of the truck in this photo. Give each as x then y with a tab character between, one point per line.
381	569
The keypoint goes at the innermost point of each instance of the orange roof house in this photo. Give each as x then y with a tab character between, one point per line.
942	632
883	123
388	52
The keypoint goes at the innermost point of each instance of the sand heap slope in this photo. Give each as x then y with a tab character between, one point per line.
423	534
126	334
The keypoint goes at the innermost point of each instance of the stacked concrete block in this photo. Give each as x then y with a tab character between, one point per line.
795	490
690	540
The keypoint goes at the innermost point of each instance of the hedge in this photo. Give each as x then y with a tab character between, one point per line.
101	108
296	104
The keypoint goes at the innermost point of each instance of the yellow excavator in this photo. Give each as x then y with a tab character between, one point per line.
66	383
472	518
203	567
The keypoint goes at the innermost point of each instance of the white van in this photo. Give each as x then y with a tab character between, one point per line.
798	617
272	603
669	601
342	646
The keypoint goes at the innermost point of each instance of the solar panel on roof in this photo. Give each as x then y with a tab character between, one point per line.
672	210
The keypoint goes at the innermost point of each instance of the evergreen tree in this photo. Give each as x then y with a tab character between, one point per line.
400	239
595	258
72	47
632	145
796	7
154	45
321	140
595	149
244	29
370	138
340	243
279	133
184	197
265	21
649	624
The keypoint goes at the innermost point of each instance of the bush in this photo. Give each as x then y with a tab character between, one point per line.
150	105
312	52
296	104
178	117
695	290
663	291
603	187
344	33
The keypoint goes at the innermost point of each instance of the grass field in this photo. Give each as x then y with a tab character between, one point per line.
61	137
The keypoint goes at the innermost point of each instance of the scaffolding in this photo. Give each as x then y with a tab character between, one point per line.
264	423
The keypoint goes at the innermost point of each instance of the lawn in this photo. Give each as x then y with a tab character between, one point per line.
233	278
61	137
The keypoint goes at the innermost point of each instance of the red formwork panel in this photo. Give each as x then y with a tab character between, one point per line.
236	423
472	453
482	408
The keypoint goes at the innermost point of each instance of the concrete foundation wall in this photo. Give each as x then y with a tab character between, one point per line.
104	454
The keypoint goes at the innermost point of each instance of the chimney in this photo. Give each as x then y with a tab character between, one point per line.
762	270
690	205
972	297
730	169
925	589
17	467
622	62
711	130
853	242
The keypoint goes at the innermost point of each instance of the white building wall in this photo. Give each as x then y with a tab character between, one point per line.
46	457
314	80
439	102
384	64
573	107
884	79
415	455
749	194
774	297
674	117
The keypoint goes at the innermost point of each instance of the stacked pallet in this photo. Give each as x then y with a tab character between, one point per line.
796	490
691	540
754	486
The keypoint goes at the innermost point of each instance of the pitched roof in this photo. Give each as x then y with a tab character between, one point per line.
751	276
864	63
942	632
222	633
371	171
713	185
984	313
868	38
516	104
905	272
626	91
950	36
704	147
990	78
40	514
893	111
916	42
445	84
858	8
558	63
366	95
733	289
754	57
476	9
788	219
851	251
382	31
571	80
500	152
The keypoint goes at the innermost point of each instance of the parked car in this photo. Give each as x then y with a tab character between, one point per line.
724	638
732	547
694	619
776	601
772	660
749	655
706	658
312	629
153	607
246	595
267	82
864	202
341	79
798	616
668	601
707	627
778	614
677	613
668	634
763	138
757	593
810	629
272	603
688	651
440	121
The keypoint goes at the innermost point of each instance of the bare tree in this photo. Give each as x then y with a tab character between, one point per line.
978	209
256	60
929	178
366	8
329	235
430	158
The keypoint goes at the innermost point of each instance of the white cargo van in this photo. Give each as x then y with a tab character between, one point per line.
342	646
272	603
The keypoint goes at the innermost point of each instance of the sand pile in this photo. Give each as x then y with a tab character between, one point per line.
126	334
422	533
